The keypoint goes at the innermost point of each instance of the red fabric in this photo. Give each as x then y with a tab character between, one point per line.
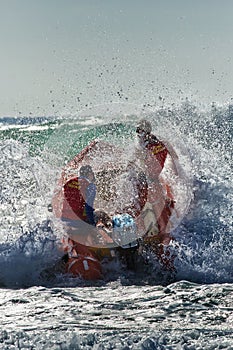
140	199
74	199
76	161
82	262
155	157
85	267
166	214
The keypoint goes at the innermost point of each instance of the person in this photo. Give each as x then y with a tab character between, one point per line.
77	212
154	153
89	193
157	150
84	261
103	224
79	196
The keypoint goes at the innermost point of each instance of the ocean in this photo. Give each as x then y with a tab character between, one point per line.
192	309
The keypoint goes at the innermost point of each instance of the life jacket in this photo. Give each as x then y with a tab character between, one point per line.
74	201
156	155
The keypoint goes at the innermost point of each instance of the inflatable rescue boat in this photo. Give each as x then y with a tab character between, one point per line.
130	209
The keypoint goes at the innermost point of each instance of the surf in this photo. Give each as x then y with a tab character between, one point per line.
32	160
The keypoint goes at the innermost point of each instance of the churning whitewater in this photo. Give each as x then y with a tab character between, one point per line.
146	309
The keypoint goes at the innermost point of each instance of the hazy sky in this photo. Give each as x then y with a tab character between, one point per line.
59	55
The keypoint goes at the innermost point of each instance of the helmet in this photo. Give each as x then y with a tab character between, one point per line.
144	125
85	170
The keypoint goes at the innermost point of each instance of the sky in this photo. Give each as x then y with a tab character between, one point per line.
60	56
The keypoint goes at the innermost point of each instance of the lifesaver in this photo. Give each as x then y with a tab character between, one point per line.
85	267
149	208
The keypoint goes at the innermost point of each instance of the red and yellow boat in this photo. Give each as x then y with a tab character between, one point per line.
131	209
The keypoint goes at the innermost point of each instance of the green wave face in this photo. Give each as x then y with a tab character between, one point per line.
65	139
68	140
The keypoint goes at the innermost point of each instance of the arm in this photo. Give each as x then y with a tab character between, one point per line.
90	198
